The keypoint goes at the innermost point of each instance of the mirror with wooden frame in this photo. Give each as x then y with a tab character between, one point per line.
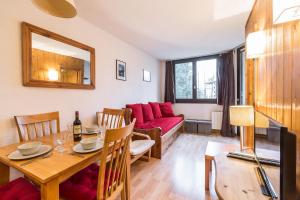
52	60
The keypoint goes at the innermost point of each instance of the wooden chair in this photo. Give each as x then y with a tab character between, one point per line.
33	126
113	118
114	167
110	118
140	147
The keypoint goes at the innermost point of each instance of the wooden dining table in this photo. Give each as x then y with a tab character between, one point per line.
49	172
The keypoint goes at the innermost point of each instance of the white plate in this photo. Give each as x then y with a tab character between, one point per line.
78	148
16	155
90	133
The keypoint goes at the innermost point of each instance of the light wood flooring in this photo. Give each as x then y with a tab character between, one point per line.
179	174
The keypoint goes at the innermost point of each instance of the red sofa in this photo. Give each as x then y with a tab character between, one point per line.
158	121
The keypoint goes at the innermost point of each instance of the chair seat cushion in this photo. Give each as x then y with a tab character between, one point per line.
83	185
165	124
19	189
139	146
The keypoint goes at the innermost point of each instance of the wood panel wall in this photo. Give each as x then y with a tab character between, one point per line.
71	70
274	79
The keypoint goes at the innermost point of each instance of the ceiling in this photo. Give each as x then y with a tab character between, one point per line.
171	29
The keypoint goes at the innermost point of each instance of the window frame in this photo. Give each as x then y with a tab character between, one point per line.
194	82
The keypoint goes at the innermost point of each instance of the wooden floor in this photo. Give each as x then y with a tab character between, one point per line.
179	174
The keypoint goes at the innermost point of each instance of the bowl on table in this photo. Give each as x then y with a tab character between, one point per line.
29	148
92	129
88	143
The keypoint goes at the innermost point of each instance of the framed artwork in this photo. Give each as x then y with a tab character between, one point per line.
146	76
120	70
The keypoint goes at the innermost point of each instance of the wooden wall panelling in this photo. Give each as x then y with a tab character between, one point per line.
73	68
287	74
273	74
296	93
269	60
296	79
277	73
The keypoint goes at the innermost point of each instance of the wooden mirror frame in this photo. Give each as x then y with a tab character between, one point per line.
27	30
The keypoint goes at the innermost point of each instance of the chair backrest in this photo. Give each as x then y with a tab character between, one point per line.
33	126
110	118
112	174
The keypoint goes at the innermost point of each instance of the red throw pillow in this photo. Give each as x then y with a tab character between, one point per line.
137	112
166	109
147	112
156	110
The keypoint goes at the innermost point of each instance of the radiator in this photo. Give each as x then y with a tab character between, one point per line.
216	120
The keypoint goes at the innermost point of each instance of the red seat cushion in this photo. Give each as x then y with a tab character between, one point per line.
83	185
164	123
137	112
166	109
19	189
156	110
147	112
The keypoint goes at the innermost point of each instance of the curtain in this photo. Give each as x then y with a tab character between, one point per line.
226	90
220	72
169	83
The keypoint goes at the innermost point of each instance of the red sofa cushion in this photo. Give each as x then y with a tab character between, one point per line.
137	112
83	185
166	109
156	110
164	123
147	112
19	189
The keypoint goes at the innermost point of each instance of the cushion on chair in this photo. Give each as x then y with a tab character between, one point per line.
137	112
164	123
166	109
139	146
156	110
19	189
83	185
147	112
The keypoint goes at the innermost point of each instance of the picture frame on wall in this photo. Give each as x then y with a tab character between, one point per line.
146	76
120	70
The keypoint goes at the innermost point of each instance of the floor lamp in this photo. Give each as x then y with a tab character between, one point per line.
242	116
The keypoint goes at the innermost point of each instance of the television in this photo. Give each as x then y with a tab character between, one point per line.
272	136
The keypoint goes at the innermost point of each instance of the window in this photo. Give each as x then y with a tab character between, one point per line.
206	79
196	80
184	80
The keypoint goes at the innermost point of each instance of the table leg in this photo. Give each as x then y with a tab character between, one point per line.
50	190
207	170
4	174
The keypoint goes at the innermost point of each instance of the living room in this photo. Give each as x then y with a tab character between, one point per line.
198	93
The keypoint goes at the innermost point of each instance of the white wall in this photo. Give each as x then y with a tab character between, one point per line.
196	111
18	100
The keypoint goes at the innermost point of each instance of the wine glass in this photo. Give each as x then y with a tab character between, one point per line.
101	133
59	142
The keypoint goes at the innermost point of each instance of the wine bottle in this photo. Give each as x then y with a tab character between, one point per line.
77	128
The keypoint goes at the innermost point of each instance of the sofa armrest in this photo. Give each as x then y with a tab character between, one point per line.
181	115
154	133
127	115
